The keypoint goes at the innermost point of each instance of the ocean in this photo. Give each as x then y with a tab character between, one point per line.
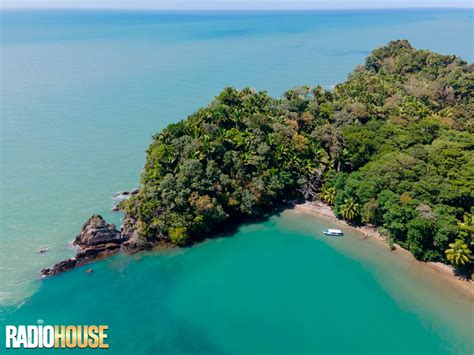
82	92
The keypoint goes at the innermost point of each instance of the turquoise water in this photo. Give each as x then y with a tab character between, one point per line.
273	287
81	94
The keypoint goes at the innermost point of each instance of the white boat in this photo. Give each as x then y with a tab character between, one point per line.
333	232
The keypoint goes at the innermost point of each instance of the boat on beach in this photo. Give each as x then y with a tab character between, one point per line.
333	232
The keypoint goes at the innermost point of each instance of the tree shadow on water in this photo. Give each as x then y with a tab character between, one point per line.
230	227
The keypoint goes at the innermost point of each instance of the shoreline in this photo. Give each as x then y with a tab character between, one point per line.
443	271
89	253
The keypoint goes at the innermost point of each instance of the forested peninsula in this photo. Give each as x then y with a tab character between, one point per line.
392	146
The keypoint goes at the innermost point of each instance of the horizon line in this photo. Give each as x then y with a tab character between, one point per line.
2	7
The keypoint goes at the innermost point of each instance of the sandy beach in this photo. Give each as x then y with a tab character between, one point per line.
371	235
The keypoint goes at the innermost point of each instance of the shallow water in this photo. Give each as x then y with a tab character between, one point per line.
275	287
82	93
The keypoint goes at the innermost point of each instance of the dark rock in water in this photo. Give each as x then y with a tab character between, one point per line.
60	267
126	194
134	242
99	239
96	231
129	229
116	208
112	246
96	240
136	245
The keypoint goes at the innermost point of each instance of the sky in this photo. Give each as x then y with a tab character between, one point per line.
233	4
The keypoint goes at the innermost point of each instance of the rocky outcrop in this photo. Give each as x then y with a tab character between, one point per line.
97	231
96	240
99	239
135	242
60	267
123	195
116	208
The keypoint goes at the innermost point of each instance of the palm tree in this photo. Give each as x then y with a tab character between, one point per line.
458	252
467	228
350	209
328	195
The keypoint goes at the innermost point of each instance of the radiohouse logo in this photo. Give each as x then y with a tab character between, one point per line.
41	336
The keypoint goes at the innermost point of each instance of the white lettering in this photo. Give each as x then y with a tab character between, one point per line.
32	331
10	336
48	336
21	338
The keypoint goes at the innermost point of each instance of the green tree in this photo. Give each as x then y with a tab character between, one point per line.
467	228
396	136
179	235
350	209
328	195
458	253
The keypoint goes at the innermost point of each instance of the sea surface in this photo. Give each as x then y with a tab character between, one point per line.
82	92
